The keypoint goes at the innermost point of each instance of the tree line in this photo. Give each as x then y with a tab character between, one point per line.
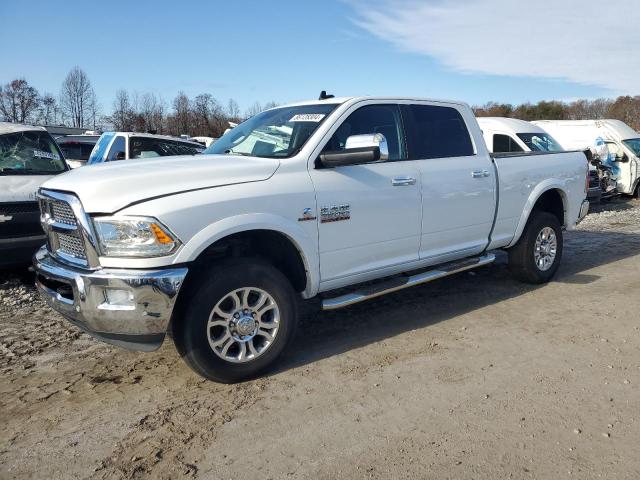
203	115
625	108
77	106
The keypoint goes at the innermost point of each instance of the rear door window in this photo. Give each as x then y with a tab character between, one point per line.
505	144
436	132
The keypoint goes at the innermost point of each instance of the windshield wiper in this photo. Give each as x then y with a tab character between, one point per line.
242	154
19	171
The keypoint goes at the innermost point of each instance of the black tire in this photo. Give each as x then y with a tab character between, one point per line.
522	263
212	285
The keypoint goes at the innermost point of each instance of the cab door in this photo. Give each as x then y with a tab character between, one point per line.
458	184
369	215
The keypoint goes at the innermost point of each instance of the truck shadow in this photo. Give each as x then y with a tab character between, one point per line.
331	333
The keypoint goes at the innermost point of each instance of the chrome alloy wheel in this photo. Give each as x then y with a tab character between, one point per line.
243	324
545	249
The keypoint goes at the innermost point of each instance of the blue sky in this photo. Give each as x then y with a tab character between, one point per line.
470	50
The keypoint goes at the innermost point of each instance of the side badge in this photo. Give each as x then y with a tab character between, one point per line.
307	214
335	213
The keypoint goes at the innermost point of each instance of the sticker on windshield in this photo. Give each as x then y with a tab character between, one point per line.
43	154
307	117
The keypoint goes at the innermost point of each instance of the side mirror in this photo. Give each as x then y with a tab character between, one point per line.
622	159
120	156
367	148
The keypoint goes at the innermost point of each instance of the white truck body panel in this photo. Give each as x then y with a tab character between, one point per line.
446	214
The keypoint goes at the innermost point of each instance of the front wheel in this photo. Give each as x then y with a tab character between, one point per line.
238	320
536	257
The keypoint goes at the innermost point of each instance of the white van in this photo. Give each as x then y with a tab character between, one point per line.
505	135
622	141
28	157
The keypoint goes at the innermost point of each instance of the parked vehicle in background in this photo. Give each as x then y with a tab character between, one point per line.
621	157
28	157
305	200
206	141
114	146
508	135
77	148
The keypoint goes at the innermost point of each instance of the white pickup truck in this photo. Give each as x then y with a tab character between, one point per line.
344	199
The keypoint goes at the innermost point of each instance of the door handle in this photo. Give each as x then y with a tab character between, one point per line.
403	181
480	173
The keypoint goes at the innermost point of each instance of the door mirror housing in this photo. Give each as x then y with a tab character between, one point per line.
367	148
622	159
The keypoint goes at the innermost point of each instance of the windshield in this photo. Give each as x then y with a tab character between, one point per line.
634	145
540	142
30	153
276	133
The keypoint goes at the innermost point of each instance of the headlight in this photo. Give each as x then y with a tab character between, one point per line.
134	237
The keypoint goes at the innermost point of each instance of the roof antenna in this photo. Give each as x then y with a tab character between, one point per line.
324	96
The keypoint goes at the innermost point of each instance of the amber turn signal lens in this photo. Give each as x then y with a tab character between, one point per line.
160	235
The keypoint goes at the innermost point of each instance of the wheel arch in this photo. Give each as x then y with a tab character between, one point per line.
550	198
288	246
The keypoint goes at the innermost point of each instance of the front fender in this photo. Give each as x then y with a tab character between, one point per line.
536	193
258	221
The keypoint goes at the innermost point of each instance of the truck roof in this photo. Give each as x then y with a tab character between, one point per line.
514	125
8	127
153	135
338	100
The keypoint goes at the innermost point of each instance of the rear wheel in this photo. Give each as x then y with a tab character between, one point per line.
238	321
536	257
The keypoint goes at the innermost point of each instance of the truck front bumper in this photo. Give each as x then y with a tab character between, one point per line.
127	308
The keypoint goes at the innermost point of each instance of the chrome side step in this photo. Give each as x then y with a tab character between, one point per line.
400	283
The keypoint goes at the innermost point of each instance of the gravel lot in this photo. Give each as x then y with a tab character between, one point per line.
475	376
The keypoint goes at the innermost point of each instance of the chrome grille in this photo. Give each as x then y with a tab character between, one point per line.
71	244
64	230
61	212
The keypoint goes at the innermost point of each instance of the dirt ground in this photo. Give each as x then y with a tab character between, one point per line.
474	376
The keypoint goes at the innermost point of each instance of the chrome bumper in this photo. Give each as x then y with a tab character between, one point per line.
584	209
127	308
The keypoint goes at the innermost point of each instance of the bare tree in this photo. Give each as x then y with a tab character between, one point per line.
181	117
77	98
233	111
48	110
121	118
152	112
254	109
19	101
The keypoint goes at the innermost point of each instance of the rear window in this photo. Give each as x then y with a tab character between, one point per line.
30	153
436	132
76	150
146	147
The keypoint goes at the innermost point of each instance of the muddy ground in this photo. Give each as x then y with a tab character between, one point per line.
475	376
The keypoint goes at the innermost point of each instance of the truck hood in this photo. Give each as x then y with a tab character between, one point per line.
109	187
20	188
